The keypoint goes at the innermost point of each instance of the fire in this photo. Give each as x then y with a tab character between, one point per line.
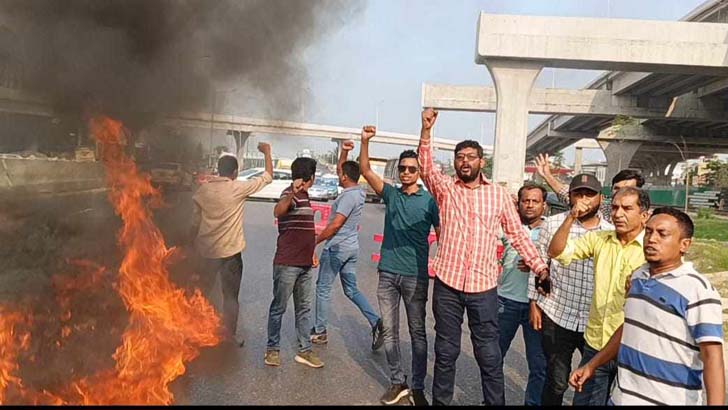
166	327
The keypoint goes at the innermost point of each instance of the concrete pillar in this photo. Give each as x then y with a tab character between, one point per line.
670	171
619	154
578	159
663	178
513	84
241	139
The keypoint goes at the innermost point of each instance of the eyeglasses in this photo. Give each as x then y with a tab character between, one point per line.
411	169
462	157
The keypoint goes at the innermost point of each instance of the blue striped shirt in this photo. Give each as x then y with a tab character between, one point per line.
666	317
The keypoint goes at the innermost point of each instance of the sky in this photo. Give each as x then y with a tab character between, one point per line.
373	67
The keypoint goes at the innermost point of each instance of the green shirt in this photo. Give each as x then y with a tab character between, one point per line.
407	222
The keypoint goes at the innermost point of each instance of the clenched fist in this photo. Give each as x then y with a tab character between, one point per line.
264	147
429	116
367	132
347	145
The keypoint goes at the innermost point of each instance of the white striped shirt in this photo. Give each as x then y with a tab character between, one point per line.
572	286
666	317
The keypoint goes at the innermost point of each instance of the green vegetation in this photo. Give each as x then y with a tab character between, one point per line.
709	256
709	251
713	228
705	213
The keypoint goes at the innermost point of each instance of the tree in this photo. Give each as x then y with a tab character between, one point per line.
718	177
488	168
558	160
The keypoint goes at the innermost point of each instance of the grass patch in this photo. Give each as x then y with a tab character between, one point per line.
713	228
708	256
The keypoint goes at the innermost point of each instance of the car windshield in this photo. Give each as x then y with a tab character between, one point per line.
329	182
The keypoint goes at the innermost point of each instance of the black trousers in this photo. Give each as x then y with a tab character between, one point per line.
230	270
559	345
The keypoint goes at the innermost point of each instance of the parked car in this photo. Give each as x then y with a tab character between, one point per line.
171	174
324	189
331	180
281	180
555	205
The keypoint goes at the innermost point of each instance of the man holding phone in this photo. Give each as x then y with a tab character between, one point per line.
292	265
562	315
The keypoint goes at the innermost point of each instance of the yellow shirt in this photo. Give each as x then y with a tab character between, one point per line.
218	210
613	264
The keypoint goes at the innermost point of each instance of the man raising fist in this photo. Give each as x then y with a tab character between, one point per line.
472	211
403	273
217	226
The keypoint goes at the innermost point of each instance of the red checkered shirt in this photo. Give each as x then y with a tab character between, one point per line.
469	218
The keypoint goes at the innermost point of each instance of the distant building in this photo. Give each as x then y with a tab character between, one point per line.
598	169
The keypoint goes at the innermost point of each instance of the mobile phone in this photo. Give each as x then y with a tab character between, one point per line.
544	285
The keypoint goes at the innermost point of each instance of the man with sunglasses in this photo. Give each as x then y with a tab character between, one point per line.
403	272
473	210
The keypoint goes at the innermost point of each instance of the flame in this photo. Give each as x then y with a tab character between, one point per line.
166	327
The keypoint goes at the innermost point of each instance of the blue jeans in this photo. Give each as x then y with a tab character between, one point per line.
413	291
595	391
287	281
449	306
511	315
335	261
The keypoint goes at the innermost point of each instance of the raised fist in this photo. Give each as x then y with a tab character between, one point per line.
367	132
347	145
264	147
429	116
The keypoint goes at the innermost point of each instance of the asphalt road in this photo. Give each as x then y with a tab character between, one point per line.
52	229
352	374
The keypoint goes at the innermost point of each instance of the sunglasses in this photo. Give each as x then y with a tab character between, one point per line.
411	169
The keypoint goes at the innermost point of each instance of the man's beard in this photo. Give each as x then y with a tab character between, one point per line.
468	178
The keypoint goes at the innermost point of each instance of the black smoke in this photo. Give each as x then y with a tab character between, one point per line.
141	56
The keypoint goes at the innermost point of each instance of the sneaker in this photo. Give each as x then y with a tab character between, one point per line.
395	393
272	358
309	358
418	398
318	338
377	335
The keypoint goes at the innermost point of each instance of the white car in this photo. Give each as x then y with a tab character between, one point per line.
281	180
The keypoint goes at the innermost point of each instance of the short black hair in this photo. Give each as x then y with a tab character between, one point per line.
227	166
469	144
643	197
304	168
351	170
627	174
409	153
683	220
529	187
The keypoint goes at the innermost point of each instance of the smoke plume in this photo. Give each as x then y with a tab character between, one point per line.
123	56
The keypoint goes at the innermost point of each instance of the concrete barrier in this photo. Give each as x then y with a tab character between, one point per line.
46	175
